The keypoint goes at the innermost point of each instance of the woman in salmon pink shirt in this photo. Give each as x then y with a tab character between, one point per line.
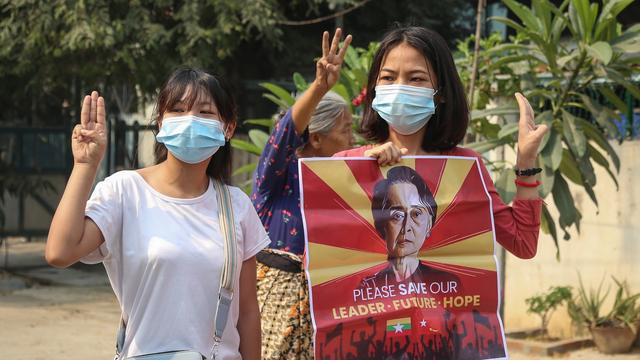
415	104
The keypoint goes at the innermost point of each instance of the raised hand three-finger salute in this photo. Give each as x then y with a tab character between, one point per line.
327	75
71	235
329	65
89	138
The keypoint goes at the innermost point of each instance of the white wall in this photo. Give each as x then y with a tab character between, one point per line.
608	244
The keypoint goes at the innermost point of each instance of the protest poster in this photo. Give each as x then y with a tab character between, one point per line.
400	260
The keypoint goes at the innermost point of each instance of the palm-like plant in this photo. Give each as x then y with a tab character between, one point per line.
555	71
585	308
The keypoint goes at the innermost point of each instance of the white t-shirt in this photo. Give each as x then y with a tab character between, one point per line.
173	257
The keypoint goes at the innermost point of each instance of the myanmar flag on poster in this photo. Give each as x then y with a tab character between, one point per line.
400	259
399	326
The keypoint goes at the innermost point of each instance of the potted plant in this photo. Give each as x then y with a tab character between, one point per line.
545	304
615	332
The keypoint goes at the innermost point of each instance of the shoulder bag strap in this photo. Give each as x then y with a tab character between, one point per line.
122	330
227	278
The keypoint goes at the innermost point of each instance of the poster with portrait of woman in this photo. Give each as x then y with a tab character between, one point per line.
400	259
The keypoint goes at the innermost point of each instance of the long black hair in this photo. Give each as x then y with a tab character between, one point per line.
448	126
198	83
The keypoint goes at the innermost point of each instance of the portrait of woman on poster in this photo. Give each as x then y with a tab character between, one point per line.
404	212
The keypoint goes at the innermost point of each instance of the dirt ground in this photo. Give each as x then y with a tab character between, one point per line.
58	322
75	316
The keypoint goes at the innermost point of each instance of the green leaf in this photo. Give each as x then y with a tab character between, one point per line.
525	15
517	27
613	98
484	146
341	90
281	103
351	58
609	12
246	186
546	117
246	146
564	202
559	23
604	116
505	185
547	178
300	82
628	41
569	168
585	175
280	92
617	77
565	59
259	138
549	226
508	130
601	51
602	161
487	129
547	94
249	168
592	16
506	48
596	135
261	122
542	12
496	64
592	195
576	23
534	36
586	170
497	111
552	152
573	133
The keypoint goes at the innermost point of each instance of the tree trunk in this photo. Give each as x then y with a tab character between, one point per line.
476	50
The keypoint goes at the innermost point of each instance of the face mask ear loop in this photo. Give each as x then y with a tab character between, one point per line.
224	131
435	103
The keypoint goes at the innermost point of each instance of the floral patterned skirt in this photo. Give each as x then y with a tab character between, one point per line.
283	298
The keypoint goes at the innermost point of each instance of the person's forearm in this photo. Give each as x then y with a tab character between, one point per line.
67	225
305	106
250	333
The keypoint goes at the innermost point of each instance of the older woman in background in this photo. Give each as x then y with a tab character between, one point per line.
318	125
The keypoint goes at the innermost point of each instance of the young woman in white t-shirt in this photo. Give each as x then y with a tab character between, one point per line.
156	230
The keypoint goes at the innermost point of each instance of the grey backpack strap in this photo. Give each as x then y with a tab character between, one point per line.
227	278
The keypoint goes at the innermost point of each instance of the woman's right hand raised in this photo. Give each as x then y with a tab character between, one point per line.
329	65
89	138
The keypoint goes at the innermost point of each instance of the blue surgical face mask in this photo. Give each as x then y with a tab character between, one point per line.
190	138
405	108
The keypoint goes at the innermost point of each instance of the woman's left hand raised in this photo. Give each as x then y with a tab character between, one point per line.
529	134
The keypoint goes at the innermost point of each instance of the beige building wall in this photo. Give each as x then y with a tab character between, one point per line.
607	245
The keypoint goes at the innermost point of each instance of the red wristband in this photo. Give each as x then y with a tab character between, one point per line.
527	184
